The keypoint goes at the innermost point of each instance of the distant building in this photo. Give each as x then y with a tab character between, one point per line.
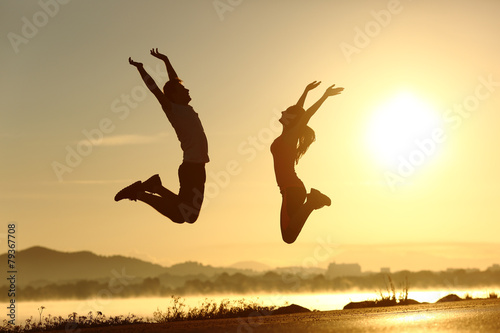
494	268
386	270
336	270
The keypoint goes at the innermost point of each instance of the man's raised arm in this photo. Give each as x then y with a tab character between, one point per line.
172	75
149	81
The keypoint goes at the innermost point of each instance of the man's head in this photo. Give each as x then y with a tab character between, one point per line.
176	92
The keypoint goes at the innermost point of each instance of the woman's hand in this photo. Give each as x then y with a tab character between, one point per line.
312	85
331	91
158	55
134	63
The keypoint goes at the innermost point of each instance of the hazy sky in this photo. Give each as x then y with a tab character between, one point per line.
408	152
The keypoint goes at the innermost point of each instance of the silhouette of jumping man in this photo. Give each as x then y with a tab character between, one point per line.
174	100
287	149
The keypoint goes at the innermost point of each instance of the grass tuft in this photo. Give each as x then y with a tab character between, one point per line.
177	311
210	310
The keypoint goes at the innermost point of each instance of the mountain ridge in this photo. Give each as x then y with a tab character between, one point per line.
39	266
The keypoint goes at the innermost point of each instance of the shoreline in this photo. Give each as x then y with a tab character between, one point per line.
265	322
257	311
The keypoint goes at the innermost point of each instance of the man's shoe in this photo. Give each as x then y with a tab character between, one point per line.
129	192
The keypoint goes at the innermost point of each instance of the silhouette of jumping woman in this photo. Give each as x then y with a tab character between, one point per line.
287	149
174	100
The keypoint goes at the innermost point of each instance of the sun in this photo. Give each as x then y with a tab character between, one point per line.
397	126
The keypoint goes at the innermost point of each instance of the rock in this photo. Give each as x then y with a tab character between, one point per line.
360	305
449	298
294	308
379	303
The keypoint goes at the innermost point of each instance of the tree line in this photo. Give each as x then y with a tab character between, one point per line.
270	282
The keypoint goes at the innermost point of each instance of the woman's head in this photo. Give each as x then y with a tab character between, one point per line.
290	116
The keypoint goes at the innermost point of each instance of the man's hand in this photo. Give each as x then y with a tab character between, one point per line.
331	91
172	75
134	63
158	55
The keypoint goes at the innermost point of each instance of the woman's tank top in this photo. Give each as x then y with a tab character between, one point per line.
284	150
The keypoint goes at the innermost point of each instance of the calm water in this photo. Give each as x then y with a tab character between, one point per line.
144	307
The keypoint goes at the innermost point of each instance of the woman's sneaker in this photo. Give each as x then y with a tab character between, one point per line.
318	199
152	183
129	192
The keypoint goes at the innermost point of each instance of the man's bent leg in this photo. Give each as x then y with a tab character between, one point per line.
192	177
167	207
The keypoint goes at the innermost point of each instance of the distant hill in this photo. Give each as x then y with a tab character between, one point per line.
38	265
195	268
251	265
48	274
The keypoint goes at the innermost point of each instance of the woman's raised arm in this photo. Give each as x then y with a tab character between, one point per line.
330	91
309	87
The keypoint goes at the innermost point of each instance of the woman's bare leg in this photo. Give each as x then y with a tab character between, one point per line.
291	226
294	212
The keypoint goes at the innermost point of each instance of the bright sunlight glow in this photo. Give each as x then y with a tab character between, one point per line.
397	124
